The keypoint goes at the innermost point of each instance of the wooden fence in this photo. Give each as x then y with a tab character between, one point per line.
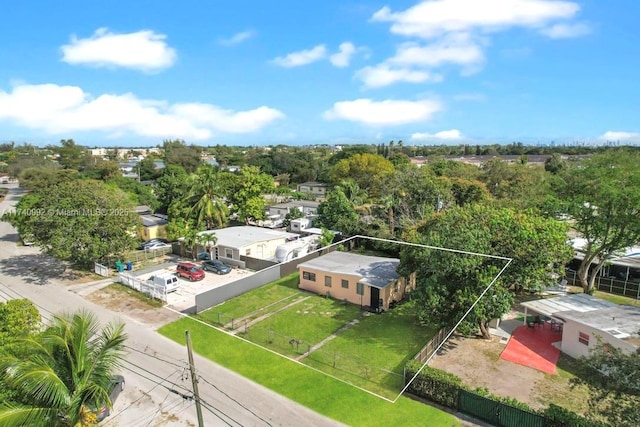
428	350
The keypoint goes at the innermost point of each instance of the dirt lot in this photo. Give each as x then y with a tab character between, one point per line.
477	362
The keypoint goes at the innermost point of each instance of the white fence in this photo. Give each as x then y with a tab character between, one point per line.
150	289
101	270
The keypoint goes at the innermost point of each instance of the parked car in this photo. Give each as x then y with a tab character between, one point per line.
204	256
190	271
168	281
27	240
156	246
152	242
117	388
216	266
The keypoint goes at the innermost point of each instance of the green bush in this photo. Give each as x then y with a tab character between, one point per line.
558	416
433	384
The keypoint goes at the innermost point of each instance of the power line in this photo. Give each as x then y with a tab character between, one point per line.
234	400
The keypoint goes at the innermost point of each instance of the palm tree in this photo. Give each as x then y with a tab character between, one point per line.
207	205
64	374
208	241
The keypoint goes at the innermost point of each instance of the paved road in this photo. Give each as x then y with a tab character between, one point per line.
155	368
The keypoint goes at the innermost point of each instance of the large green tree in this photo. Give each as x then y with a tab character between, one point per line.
338	213
172	185
79	221
369	171
448	282
247	196
205	199
63	374
19	318
602	197
178	153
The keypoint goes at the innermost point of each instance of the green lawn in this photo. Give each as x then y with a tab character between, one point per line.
255	303
294	329
312	389
372	354
617	299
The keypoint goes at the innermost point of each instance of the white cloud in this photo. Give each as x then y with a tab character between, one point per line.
237	38
446	135
455	48
303	57
383	75
433	18
343	57
566	30
620	136
142	50
66	109
383	113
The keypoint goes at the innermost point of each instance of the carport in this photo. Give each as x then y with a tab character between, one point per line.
553	307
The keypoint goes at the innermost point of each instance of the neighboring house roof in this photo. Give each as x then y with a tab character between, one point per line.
154	220
313	184
239	237
142	209
621	321
377	272
579	303
297	204
628	257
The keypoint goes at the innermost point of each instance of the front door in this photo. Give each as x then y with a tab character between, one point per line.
375	298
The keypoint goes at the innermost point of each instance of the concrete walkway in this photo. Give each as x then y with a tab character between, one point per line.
327	339
261	318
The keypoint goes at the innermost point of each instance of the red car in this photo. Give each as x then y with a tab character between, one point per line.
190	271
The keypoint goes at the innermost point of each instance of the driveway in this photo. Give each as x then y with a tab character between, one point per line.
185	297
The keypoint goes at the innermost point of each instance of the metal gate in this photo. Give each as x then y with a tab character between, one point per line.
496	413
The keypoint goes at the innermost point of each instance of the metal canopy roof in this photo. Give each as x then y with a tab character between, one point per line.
580	303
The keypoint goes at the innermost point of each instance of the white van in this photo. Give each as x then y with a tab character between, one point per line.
167	280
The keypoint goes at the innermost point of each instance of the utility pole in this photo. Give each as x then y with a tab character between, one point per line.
194	380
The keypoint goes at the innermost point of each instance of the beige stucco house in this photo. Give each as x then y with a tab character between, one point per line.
233	243
369	281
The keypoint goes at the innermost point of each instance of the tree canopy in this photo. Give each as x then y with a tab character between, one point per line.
448	282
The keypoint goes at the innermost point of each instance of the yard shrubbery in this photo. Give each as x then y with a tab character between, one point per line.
443	388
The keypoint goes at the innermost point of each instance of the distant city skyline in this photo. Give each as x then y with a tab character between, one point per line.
124	74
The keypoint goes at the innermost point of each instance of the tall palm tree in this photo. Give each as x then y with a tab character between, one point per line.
64	374
208	241
207	204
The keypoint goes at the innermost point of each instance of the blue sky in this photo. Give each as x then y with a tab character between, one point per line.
134	73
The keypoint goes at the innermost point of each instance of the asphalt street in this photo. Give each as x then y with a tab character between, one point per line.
158	386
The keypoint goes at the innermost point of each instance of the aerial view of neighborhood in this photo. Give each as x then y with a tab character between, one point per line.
400	213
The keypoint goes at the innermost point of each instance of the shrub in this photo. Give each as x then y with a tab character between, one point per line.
436	385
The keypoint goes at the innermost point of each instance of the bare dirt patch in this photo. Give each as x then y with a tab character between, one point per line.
122	301
477	362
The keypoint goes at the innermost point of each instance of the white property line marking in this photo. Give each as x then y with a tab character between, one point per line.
279	355
509	260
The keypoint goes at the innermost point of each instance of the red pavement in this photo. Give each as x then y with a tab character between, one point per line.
532	347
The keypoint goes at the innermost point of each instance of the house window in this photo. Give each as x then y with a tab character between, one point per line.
360	288
247	252
327	281
228	253
309	276
395	287
583	338
345	283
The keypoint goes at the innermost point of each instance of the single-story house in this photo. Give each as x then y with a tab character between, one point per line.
307	207
585	319
153	225
318	189
370	281
233	243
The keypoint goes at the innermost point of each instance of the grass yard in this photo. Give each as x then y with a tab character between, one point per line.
373	353
617	299
255	303
293	330
312	389
557	389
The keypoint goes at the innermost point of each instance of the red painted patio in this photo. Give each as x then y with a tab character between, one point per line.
532	346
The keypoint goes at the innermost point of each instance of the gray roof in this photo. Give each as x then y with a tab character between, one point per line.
581	303
151	220
377	272
621	321
239	237
297	204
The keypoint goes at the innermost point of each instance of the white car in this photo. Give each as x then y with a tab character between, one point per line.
156	246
